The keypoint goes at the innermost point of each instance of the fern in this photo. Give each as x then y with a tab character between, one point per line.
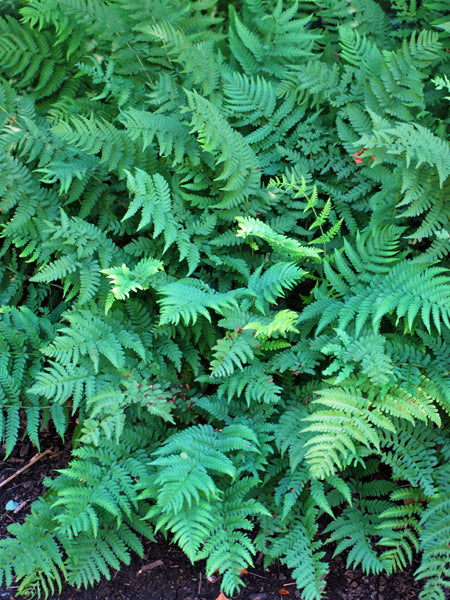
400	529
35	540
224	265
240	166
32	57
288	247
339	431
126	281
435	521
299	551
171	133
21	336
92	336
353	529
409	296
411	142
190	298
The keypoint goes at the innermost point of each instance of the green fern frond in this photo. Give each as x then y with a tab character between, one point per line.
231	352
413	291
400	529
290	435
197	57
354	529
92	336
411	142
93	136
32	57
254	97
229	548
301	552
171	133
253	381
282	323
60	382
189	298
189	456
435	520
240	165
267	286
347	422
286	247
152	195
36	540
126	280
191	526
411	455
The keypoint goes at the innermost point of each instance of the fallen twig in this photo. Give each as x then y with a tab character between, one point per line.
150	566
31	462
256	575
21	505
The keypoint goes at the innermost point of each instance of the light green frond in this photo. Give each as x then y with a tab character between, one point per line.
188	299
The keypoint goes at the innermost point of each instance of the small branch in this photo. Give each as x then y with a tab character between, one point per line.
256	575
150	566
19	508
31	462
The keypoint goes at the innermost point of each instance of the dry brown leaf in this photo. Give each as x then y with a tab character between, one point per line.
283	592
221	596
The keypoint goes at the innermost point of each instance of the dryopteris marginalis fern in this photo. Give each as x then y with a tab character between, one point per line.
224	241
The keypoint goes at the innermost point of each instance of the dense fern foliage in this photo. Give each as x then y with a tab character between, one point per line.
224	247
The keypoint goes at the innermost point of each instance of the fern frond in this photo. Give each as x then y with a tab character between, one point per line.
412	142
189	456
301	552
231	352
126	280
290	435
32	57
348	422
254	382
254	97
92	336
170	132
413	291
435	564
93	136
240	165
267	286
36	540
197	58
354	529
411	455
400	529
286	247
152	195
60	382
189	298
229	547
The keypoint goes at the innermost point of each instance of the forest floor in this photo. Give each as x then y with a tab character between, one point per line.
164	573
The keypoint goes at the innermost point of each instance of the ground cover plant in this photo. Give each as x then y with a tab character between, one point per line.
224	244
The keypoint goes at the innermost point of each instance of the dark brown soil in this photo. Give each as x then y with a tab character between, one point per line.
165	573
